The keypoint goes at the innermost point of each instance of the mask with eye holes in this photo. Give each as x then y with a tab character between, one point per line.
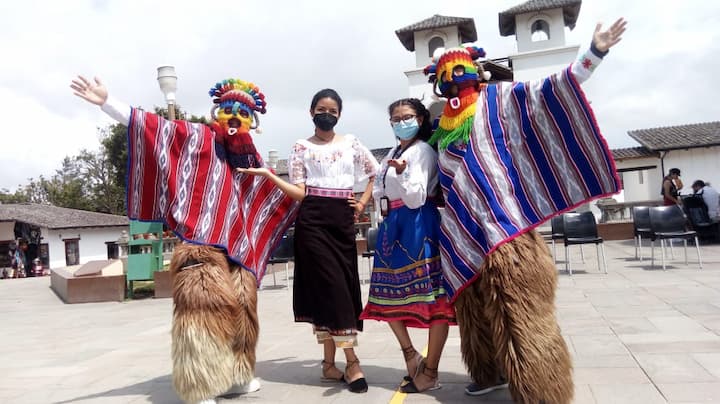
457	77
237	103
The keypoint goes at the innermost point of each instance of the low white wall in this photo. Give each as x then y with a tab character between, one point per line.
91	244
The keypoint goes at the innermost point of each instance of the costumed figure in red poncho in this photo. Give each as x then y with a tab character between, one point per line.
183	174
512	155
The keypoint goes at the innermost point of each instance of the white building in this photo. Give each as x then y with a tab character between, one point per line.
539	29
424	38
59	236
693	148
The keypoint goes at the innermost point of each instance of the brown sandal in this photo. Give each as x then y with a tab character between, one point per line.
411	354
432	373
326	366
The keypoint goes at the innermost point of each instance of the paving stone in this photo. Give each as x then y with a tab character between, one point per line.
627	331
626	394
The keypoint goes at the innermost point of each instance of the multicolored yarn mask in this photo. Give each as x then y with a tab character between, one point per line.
456	76
237	103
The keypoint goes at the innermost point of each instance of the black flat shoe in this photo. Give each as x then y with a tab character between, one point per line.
358	386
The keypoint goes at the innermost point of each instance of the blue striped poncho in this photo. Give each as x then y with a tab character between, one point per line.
535	151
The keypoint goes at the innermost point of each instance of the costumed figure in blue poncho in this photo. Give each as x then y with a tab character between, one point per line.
512	155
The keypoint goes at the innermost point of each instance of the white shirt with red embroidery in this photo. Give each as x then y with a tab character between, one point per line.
337	165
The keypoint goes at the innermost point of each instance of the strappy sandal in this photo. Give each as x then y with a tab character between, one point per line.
326	366
358	385
410	354
432	373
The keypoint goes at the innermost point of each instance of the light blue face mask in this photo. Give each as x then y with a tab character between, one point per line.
406	129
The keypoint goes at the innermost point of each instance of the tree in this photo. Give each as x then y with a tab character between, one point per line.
180	114
107	195
17	197
69	188
113	141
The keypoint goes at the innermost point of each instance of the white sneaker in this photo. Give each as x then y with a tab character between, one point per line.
249	387
208	401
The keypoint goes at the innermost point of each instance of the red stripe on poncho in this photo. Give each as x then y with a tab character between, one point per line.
178	174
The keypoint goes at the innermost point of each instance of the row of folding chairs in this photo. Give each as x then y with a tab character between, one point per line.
577	228
664	223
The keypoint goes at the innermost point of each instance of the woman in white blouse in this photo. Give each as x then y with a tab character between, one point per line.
406	288
323	170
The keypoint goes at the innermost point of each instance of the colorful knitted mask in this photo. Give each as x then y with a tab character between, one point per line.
237	103
457	78
455	70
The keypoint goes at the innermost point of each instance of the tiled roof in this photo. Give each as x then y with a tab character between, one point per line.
54	217
466	26
571	9
633	153
679	137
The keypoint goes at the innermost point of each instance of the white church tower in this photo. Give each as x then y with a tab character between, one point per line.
423	38
539	29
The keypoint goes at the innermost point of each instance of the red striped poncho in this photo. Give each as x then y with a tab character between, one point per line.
178	174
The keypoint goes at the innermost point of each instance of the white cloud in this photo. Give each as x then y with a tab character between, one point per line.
661	74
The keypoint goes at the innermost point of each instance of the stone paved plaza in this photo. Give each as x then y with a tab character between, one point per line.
636	335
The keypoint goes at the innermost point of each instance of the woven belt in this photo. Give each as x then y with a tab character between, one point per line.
329	192
397	203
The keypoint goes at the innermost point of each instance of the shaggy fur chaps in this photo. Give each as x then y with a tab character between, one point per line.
508	326
215	325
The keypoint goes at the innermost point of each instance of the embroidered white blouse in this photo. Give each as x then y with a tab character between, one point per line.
419	178
337	165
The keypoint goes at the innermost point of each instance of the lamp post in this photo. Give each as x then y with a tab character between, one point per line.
272	158
167	79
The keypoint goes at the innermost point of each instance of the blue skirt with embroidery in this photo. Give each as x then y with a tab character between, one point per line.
406	282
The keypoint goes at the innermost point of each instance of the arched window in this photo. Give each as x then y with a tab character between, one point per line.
435	42
540	31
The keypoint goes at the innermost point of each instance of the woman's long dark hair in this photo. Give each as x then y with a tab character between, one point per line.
425	131
326	93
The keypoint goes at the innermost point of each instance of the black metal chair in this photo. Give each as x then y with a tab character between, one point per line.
283	254
667	223
579	229
370	249
697	214
557	233
641	227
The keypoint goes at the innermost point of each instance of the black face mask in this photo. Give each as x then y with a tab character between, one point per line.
325	121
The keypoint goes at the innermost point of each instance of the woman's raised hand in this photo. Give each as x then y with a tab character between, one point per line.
95	93
605	40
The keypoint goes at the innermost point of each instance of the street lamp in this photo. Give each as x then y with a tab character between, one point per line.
168	85
273	158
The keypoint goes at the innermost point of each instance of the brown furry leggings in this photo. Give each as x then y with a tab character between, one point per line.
215	325
508	326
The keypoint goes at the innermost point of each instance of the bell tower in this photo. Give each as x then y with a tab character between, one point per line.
539	29
424	38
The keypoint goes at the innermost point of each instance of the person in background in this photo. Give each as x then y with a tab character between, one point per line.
710	196
671	186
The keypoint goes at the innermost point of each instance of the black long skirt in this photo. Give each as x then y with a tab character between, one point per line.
326	290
